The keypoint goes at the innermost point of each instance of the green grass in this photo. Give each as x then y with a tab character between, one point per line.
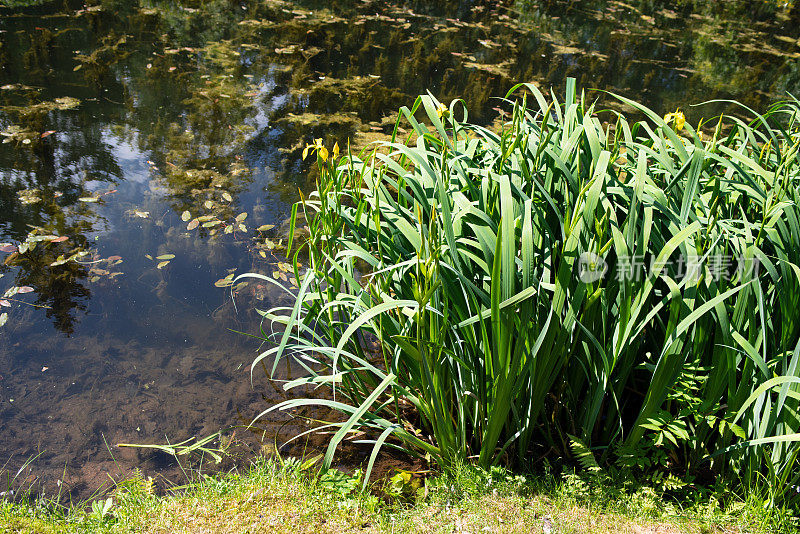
271	497
451	309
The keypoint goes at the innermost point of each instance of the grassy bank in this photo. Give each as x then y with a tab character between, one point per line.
271	497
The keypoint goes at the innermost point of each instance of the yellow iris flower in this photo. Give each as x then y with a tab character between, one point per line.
678	118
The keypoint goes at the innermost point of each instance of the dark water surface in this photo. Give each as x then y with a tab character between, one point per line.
123	124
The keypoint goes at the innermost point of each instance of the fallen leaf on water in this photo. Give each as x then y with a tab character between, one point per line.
148	256
59	239
192	225
89	199
142	214
45	369
166	257
47	133
25	289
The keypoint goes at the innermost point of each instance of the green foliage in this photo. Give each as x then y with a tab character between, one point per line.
339	482
571	278
403	485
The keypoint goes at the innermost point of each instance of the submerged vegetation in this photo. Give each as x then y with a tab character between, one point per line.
573	285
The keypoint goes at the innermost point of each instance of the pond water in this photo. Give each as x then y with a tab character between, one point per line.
152	150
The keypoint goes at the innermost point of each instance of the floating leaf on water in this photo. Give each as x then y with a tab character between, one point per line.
40	238
224	282
229	229
162	264
243	228
166	257
276	275
211	224
29	196
208	204
5	303
25	289
94	279
192	225
89	199
262	253
3	318
114	258
59	239
185	216
266	227
142	214
148	256
47	133
227	196
7	247
241	217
